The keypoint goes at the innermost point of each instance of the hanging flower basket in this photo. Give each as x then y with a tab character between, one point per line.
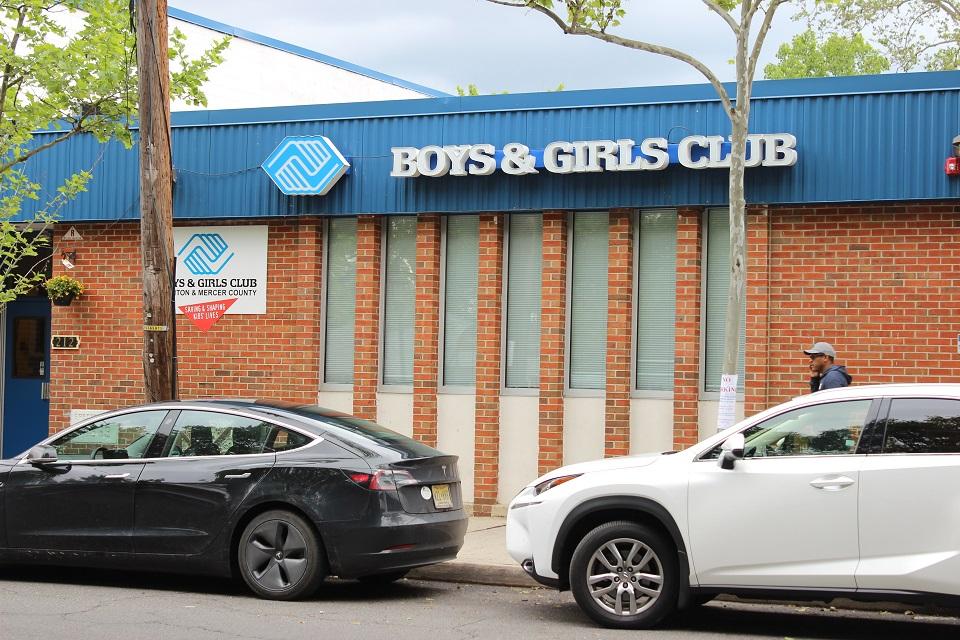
63	289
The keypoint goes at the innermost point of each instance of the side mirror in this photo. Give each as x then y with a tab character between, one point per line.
731	450
42	454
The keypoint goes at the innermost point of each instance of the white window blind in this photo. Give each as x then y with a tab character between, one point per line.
341	300
588	301
718	281
399	296
525	237
460	301
656	299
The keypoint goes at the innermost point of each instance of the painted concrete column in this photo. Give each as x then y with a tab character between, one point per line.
366	360
427	329
487	411
757	383
686	377
553	328
619	333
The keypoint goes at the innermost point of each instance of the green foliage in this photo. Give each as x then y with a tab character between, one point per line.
472	90
806	57
60	287
912	34
68	66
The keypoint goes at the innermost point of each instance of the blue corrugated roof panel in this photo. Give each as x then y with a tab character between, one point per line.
876	138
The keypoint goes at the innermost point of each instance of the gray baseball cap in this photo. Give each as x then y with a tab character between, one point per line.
821	347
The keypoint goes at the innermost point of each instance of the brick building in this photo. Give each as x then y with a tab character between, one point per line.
553	297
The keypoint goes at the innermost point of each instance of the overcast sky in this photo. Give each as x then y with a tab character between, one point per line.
445	43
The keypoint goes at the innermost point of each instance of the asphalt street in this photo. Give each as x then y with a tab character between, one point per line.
56	603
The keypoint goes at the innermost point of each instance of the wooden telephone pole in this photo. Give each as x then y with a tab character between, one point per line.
156	200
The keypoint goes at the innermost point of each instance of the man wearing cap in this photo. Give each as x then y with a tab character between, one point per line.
826	375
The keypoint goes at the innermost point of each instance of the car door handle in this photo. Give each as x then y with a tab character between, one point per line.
831	483
236	476
118	476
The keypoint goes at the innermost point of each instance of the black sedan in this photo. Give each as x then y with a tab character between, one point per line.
283	494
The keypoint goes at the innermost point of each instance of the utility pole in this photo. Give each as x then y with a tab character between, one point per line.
156	199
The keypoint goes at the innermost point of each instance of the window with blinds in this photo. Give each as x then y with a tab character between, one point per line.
522	344
588	301
656	299
341	300
718	282
460	301
399	294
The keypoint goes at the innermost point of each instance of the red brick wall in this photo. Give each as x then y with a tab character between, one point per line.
757	361
487	411
272	355
366	358
619	333
427	329
686	377
878	282
553	330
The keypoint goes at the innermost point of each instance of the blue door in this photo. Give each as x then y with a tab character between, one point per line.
26	374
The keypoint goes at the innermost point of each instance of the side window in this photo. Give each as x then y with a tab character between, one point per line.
816	430
207	433
120	437
923	425
285	440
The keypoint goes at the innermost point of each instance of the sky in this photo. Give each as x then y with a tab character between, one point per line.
445	43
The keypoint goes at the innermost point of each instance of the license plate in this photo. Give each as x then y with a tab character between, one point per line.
441	496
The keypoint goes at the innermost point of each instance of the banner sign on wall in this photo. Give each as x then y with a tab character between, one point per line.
220	270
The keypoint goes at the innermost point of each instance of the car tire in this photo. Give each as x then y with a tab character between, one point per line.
280	556
620	595
383	578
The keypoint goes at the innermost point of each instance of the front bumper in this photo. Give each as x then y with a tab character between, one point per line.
398	541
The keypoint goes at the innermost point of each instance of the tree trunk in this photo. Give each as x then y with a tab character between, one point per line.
156	193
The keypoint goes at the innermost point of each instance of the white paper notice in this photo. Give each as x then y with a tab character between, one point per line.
727	415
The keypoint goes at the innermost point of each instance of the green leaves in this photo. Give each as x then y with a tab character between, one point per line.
69	66
911	34
807	57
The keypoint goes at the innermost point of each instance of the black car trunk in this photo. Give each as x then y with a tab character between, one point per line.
428	485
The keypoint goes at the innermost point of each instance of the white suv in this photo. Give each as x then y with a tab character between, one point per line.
849	492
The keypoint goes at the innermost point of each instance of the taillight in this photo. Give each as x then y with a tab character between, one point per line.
381	479
360	478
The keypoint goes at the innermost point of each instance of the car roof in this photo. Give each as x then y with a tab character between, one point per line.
888	390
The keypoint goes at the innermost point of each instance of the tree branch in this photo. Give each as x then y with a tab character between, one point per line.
723	13
630	43
762	35
8	68
29	154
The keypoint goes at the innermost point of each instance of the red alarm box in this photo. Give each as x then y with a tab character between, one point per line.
952	167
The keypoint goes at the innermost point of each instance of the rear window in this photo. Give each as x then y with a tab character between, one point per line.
365	431
923	425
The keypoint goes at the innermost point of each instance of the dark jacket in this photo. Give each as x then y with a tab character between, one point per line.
833	378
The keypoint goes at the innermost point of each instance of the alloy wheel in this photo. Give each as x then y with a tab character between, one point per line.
624	576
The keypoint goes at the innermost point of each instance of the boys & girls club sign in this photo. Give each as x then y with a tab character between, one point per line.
220	270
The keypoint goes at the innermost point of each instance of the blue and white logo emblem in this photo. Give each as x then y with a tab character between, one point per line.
305	165
206	254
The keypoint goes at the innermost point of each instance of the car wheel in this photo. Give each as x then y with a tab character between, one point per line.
280	557
625	575
382	578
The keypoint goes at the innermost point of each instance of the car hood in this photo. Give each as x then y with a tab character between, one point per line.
607	464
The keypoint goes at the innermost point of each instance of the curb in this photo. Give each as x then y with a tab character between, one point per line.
470	573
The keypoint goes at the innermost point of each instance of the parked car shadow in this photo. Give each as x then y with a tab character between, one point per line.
811	622
332	590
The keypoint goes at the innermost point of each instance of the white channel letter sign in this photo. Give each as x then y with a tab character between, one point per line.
590	156
222	263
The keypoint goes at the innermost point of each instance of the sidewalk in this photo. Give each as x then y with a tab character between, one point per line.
482	560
